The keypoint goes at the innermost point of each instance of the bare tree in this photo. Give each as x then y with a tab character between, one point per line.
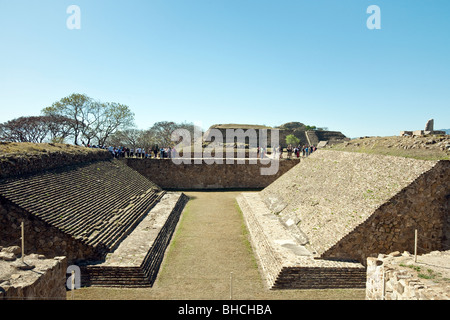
162	131
36	129
130	138
24	129
60	128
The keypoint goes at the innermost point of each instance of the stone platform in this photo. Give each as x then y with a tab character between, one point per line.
136	261
287	264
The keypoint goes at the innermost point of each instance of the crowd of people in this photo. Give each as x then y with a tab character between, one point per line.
169	152
300	150
125	152
277	152
155	152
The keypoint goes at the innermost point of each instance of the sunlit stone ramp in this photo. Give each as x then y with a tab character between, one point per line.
315	226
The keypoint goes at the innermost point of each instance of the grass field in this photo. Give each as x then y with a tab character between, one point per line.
210	254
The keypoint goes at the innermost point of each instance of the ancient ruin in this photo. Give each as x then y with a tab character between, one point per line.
315	225
404	276
429	129
31	277
85	211
332	211
299	130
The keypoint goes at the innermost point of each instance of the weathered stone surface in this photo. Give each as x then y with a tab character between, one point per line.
399	277
16	250
19	265
170	176
430	125
286	262
7	256
136	262
81	211
352	205
83	206
349	206
46	280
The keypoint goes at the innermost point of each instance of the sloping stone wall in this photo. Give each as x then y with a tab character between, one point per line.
286	264
422	206
136	262
353	205
83	205
81	211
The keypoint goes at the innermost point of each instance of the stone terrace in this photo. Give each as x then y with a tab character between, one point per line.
335	209
331	193
136	261
98	204
287	264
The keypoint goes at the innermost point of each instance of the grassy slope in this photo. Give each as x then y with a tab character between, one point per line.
25	149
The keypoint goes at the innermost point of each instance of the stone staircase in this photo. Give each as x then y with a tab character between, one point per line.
285	263
321	278
137	260
97	203
312	138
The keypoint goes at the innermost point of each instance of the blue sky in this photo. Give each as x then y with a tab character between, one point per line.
234	61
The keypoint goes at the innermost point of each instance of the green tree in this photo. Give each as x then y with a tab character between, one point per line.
307	128
292	140
112	117
75	107
91	119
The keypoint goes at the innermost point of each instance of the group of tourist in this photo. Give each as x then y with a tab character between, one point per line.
300	150
142	153
277	152
167	153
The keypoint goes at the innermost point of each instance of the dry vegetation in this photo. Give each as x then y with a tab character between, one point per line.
431	147
25	149
240	126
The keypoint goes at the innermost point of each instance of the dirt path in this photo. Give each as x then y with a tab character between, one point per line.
210	243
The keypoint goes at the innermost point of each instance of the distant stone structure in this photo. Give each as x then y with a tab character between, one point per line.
429	129
430	125
306	137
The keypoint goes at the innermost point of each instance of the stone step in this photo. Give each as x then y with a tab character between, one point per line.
96	203
144	274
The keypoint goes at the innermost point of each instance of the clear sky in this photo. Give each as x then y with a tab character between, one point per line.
234	61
